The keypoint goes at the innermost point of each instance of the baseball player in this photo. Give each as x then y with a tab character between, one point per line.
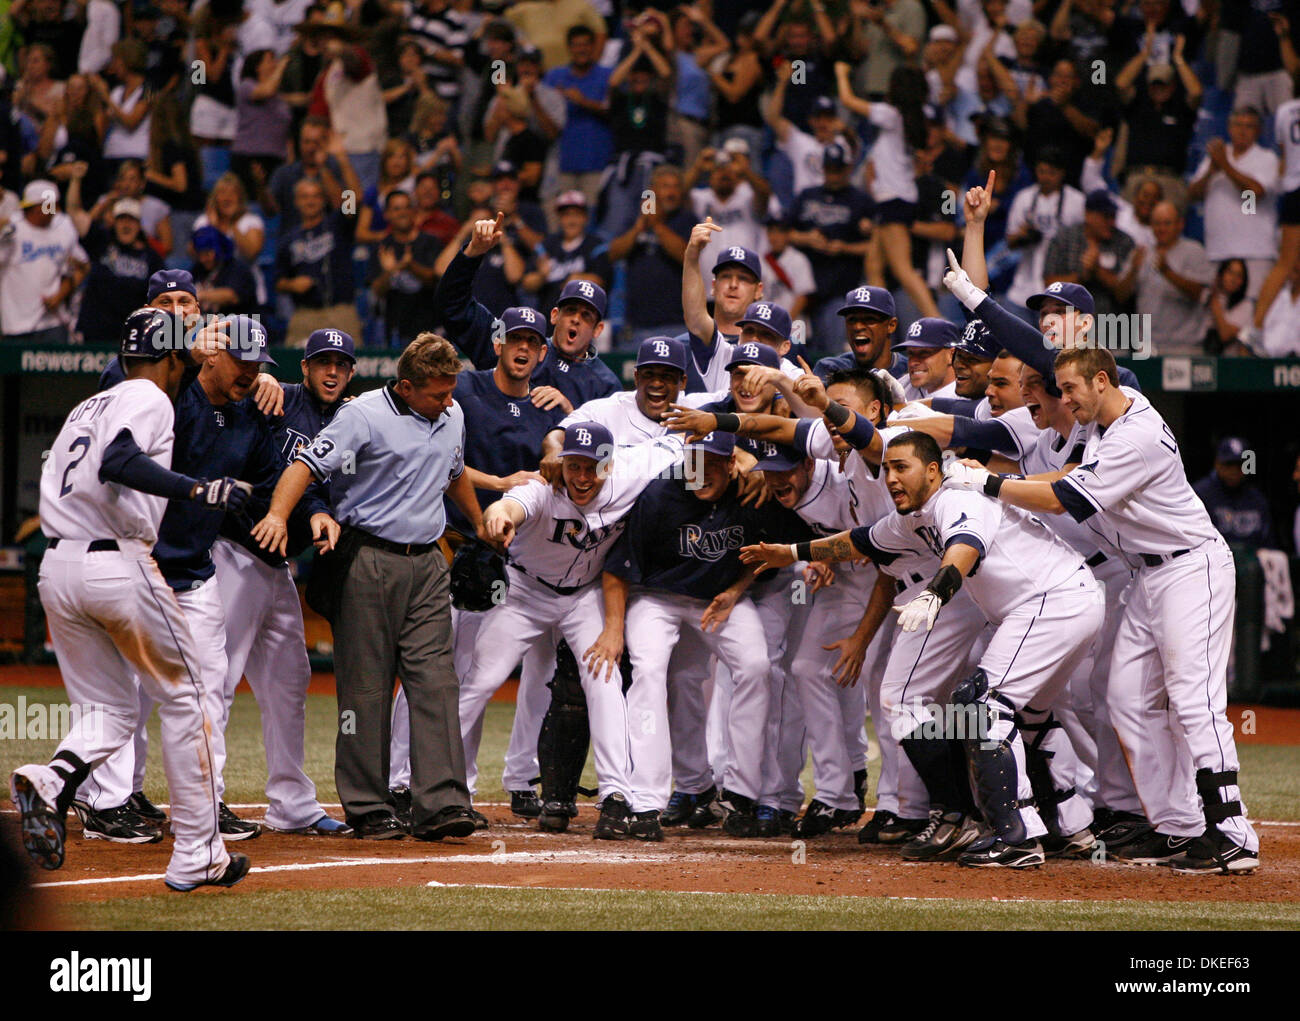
112	616
870	319
1034	588
557	541
928	347
1173	641
675	567
264	637
573	372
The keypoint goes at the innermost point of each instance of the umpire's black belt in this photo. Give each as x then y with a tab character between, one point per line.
1156	559
96	545
559	590
404	549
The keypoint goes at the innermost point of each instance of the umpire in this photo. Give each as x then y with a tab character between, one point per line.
392	453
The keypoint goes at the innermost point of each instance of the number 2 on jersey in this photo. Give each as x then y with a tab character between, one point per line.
81	443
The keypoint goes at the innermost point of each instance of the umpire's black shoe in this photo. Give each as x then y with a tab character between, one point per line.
613	821
234	828
142	806
525	804
707	811
645	826
378	825
555	815
451	821
400	799
742	815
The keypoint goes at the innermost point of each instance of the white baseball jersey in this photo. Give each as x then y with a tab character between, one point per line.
565	545
620	415
1020	557
1286	129
1132	475
838	500
74	503
716	376
1024	434
916	394
1051	453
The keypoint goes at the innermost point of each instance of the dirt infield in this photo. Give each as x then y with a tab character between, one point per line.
514	854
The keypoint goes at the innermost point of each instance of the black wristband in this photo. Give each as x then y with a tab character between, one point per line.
837	413
993	486
727	422
803	551
946	583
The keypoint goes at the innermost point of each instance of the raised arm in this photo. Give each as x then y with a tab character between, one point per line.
844	84
695	296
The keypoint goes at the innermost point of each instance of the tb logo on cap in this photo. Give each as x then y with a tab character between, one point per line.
769	449
334	337
584	437
863	295
737	253
749	350
586	289
914	330
528	315
1055	288
763	311
661	349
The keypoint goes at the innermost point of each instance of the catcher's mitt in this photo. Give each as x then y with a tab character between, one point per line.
478	578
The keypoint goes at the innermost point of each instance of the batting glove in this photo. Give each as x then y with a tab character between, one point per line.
895	388
959	282
962	476
912	409
223	494
921	610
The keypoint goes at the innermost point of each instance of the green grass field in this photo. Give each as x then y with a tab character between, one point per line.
1271	783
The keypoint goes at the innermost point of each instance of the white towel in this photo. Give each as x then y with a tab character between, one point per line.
1279	601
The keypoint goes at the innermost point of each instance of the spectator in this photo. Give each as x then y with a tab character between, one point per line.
348	94
321	158
213	117
1237	226
546	24
431	216
1237	507
404	86
514	141
228	211
1266	38
586	144
262	119
797	40
832	225
902	130
492	48
434	141
121	263
1171	280
1287	133
74	133
165	38
953	87
443	33
986	29
571	253
885	36
1160	115
155	214
53	25
546	105
1084	28
639	116
103	29
1096	254
1037	213
653	248
38	92
314	267
225	284
805	149
680	34
737	197
306	62
738	84
523	218
997	152
41	265
787	273
1026	69
934	230
279	18
1280	337
1056	119
396	169
127	104
1230	309
172	173
1134	218
402	274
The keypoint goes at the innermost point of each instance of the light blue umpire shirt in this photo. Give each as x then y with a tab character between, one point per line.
389	467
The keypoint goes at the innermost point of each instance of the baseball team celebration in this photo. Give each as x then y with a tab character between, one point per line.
807	464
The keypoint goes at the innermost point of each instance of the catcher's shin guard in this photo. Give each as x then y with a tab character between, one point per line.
931	755
992	757
562	744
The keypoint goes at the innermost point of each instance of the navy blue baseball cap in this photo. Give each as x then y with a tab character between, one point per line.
521	317
330	342
738	256
586	292
822	106
587	439
1101	201
662	351
170	280
769	315
720	443
777	457
1074	295
835	155
930	332
753	353
1231	450
247	339
152	333
977	341
869	299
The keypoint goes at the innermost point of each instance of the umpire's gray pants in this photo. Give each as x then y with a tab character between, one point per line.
394	620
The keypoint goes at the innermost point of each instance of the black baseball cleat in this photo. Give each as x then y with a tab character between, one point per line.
870	833
449	821
120	825
555	815
400	799
1117	829
845	817
525	804
645	826
707	811
773	822
1070	845
1155	848
613	821
43	828
1214	854
145	808
945	837
742	815
860	789
234	828
680	807
236	870
818	818
1027	854
899	830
